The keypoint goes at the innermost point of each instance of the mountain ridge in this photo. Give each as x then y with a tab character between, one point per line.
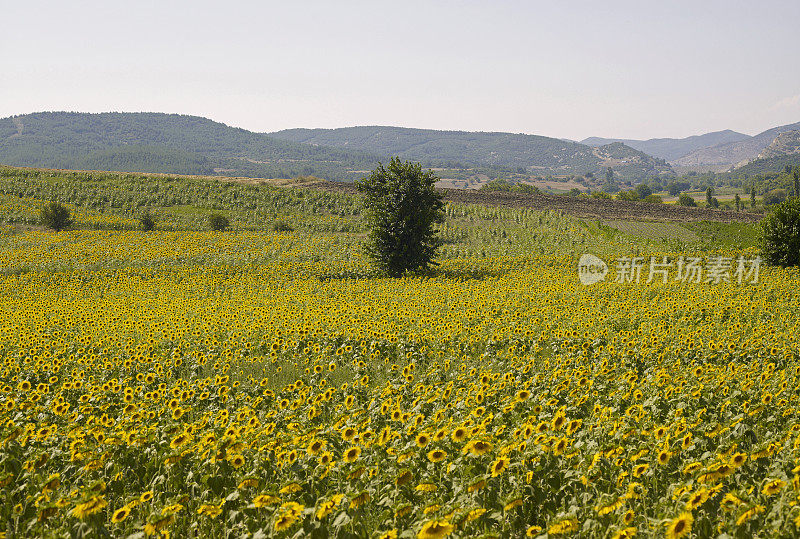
176	143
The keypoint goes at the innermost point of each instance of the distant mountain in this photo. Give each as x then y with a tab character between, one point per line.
532	154
172	143
733	153
786	143
671	149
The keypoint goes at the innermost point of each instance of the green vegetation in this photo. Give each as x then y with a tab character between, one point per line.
147	221
167	143
780	234
509	187
218	222
402	209
56	216
512	153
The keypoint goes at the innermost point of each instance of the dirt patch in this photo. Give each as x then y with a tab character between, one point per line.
586	207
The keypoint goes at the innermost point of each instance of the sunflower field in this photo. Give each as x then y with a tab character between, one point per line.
254	383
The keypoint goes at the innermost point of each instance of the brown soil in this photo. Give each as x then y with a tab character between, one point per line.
578	206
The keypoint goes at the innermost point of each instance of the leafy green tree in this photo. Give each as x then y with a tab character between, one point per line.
753	196
780	234
147	221
796	176
402	209
775	196
686	200
644	190
673	189
218	222
738	202
55	216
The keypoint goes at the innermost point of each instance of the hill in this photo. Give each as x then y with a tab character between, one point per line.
531	154
733	153
671	149
155	142
787	143
172	143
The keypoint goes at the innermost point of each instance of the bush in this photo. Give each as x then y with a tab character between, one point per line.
653	199
780	234
218	222
630	196
686	200
643	190
402	208
281	226
147	221
776	196
56	216
602	195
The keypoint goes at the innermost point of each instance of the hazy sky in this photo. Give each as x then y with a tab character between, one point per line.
572	69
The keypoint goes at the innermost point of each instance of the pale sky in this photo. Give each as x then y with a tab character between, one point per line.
633	69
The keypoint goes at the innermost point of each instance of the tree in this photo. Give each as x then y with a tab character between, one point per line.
402	208
780	234
55	216
738	202
147	221
609	175
686	200
775	196
673	189
218	222
752	196
644	190
796	176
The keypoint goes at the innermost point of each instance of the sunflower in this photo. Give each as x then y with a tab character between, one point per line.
563	527
315	447
459	434
436	455
391	534
750	513
738	459
263	500
499	466
422	439
773	487
121	514
626	533
352	454
435	529
533	531
680	526
663	457
478	447
697	499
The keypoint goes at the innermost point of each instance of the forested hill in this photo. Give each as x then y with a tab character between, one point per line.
171	143
462	149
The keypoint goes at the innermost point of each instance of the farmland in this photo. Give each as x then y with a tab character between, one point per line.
266	382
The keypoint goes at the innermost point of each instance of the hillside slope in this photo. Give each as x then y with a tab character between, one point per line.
671	149
787	143
461	149
155	142
733	153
